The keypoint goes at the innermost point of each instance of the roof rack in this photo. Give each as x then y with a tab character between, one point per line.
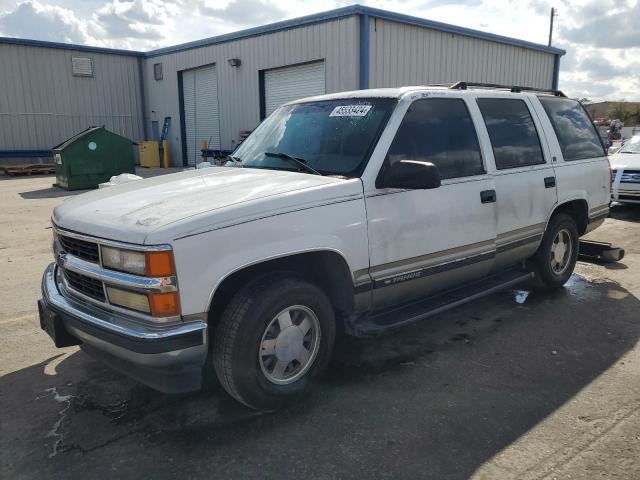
511	88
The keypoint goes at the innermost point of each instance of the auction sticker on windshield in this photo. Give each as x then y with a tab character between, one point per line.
350	111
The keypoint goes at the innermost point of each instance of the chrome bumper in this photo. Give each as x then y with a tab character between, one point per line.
166	357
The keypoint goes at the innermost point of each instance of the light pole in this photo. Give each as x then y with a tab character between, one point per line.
554	13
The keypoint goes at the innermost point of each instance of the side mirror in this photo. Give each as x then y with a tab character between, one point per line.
410	174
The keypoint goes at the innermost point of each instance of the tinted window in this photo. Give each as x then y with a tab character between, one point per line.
513	135
439	130
576	134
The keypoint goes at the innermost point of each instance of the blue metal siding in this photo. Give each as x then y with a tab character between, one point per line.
556	72
364	52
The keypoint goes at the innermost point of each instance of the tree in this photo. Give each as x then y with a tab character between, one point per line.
634	117
617	111
585	101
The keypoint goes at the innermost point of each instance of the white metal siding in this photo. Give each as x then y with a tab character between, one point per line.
287	84
42	103
239	101
201	117
403	54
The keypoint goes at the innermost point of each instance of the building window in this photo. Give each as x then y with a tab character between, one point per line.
82	66
157	71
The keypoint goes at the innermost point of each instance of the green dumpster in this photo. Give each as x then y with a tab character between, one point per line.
92	157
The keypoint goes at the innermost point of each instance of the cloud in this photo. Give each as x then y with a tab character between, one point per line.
53	23
604	25
588	89
459	3
138	19
245	12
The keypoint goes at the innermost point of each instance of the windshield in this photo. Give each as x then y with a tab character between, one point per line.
632	146
333	137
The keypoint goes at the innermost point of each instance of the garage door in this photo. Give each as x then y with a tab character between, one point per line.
201	119
283	85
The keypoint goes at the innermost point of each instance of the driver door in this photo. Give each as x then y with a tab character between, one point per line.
423	241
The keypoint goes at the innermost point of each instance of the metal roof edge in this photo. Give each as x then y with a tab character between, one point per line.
69	46
295	23
445	27
355	9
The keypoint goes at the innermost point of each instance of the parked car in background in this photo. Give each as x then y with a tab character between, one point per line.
625	172
358	212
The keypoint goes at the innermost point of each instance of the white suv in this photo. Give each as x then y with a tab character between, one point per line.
360	211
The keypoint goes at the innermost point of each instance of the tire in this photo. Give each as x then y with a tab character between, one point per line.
554	272
250	347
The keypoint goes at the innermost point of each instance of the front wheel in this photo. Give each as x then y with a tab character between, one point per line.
556	257
273	339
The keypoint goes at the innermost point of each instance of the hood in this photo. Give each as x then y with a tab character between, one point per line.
621	161
132	211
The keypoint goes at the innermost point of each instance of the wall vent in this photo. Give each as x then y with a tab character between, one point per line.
82	66
157	71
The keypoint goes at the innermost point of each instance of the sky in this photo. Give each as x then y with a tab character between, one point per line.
601	37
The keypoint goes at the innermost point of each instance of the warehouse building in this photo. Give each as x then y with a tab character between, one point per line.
214	89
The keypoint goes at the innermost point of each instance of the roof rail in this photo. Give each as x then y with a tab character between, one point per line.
511	88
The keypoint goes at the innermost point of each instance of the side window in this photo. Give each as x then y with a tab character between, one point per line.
440	131
513	135
576	134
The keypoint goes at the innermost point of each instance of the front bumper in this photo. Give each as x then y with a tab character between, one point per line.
168	358
626	187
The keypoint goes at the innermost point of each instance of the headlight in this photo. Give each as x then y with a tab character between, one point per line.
150	264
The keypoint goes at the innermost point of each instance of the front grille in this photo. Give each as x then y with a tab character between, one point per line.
85	285
80	248
630	176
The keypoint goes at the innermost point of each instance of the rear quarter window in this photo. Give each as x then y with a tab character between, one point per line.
576	133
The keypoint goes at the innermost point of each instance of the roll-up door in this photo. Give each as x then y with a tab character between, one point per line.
283	85
201	116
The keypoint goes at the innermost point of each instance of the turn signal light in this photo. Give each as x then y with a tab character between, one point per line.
164	304
160	264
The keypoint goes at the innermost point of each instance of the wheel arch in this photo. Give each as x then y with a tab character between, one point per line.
325	267
577	208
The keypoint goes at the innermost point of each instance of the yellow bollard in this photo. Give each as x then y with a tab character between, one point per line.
203	146
165	156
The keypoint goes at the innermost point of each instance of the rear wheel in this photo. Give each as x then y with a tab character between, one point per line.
556	257
273	339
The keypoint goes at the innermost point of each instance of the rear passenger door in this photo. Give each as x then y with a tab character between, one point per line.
524	177
422	241
581	164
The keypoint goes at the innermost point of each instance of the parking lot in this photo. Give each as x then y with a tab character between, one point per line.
522	384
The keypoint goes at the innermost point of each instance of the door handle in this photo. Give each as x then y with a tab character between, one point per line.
549	182
488	196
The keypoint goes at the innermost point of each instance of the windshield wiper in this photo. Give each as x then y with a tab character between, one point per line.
235	160
298	161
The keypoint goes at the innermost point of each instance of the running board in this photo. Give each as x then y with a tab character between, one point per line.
393	318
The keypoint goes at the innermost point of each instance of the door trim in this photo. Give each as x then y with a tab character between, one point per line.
427	271
416	268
